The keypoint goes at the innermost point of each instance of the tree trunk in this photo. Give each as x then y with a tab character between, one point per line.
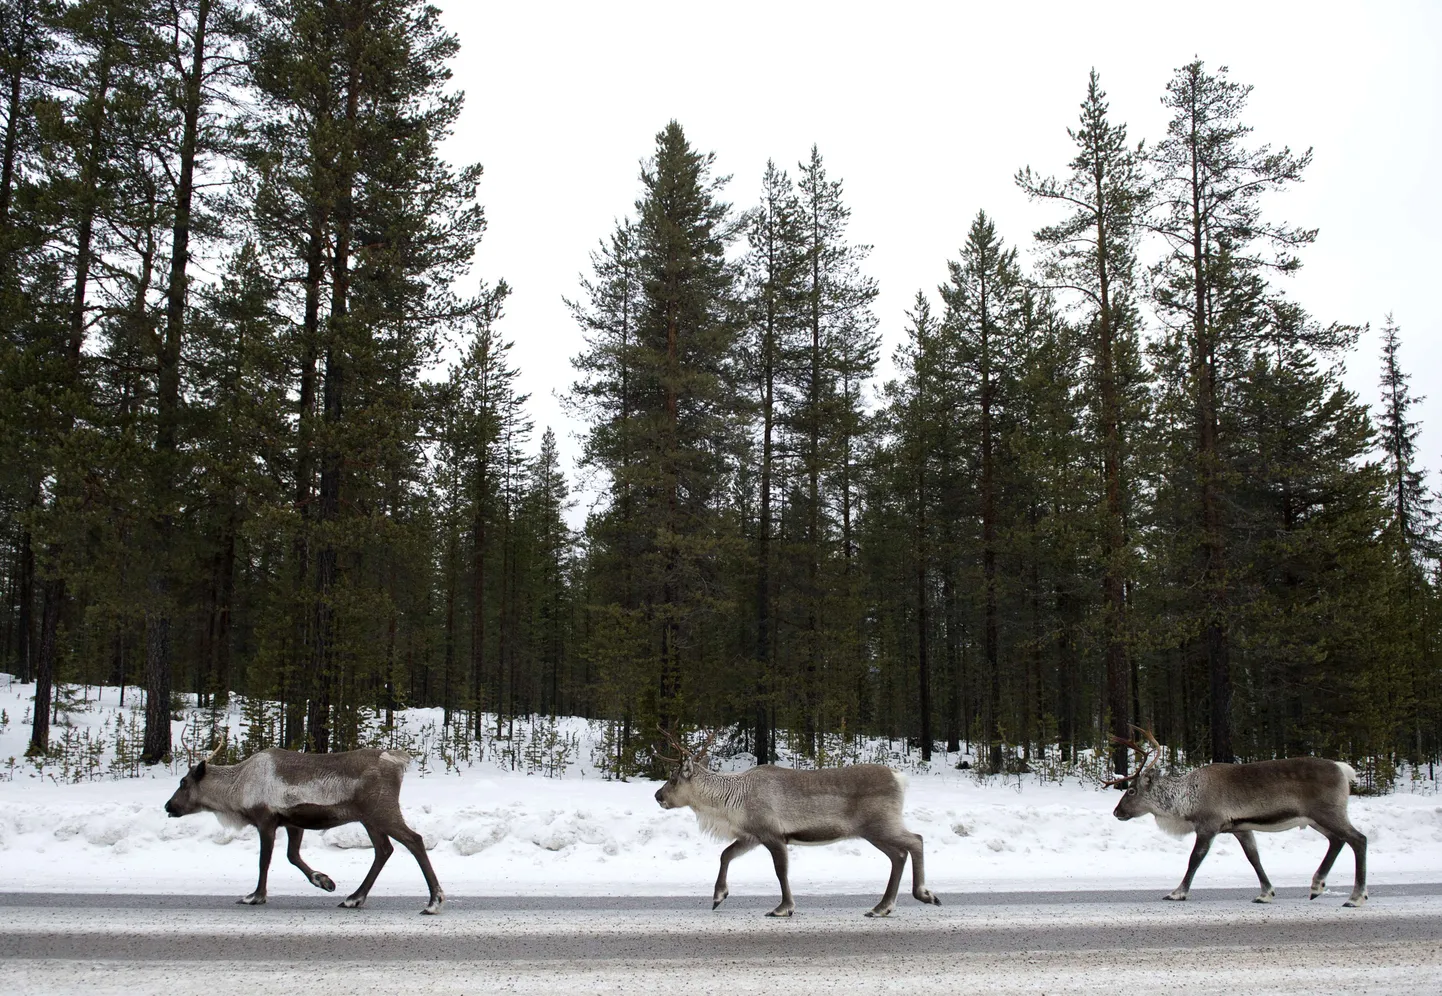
157	618
25	635
1114	549
52	593
763	545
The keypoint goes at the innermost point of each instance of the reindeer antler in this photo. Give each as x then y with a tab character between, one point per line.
1149	756
704	748
682	749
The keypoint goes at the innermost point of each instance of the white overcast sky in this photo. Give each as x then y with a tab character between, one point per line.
926	111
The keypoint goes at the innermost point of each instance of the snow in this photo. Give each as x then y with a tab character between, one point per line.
494	829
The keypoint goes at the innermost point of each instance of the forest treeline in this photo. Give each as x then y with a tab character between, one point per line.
263	435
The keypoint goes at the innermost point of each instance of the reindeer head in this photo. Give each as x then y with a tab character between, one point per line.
677	790
188	797
1138	798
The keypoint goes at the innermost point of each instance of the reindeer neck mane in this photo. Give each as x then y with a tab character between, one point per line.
720	790
1176	794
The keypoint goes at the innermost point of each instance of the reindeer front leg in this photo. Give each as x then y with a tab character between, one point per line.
779	858
1248	840
267	844
1199	852
735	849
318	879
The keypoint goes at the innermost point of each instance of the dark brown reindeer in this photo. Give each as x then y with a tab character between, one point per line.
773	807
1242	798
282	788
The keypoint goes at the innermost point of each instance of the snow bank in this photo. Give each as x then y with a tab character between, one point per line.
499	833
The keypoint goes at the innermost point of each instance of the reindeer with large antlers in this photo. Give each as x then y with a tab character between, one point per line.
773	807
282	788
1242	798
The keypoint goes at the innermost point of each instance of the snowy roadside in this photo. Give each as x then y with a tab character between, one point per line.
501	833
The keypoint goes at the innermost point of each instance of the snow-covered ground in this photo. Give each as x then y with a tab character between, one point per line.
496	831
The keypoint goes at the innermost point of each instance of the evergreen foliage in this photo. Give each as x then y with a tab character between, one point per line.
1126	486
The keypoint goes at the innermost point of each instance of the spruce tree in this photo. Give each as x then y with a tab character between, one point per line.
984	314
680	430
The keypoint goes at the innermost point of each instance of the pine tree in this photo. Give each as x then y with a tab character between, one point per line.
839	347
352	192
1209	210
28	51
774	268
1092	252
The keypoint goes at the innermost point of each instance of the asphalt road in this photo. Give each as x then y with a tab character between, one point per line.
1075	942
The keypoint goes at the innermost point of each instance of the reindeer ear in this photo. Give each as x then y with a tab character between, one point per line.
198	772
686	768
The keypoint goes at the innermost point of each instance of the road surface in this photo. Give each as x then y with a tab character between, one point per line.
1078	942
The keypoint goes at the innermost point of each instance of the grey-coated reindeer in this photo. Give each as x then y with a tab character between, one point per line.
773	807
1241	798
282	788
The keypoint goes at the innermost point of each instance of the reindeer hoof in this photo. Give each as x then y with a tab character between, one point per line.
352	903
1316	893
323	881
779	913
927	897
1355	902
254	899
1265	897
1173	897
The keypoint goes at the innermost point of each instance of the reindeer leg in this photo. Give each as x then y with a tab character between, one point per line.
779	858
893	884
1199	851
919	891
383	850
1339	831
1319	880
267	844
1358	841
1248	840
318	879
416	844
735	849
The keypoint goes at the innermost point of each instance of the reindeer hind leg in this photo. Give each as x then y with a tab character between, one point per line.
383	851
893	884
1319	880
782	862
1339	830
416	844
919	891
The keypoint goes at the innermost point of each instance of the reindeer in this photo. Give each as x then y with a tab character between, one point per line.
1242	798
774	807
282	788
